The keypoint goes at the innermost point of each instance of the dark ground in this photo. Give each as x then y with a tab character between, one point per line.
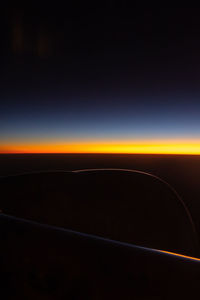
181	171
38	261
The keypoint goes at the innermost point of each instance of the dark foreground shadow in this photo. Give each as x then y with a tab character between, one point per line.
41	262
126	206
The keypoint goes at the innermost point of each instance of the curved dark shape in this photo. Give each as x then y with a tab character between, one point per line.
123	205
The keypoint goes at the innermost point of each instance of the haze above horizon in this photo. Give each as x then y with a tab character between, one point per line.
99	79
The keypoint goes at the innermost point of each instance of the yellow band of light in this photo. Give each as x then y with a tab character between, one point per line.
152	147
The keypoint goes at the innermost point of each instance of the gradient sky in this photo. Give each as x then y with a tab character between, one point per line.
106	78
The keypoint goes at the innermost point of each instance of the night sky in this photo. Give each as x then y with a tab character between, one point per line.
99	78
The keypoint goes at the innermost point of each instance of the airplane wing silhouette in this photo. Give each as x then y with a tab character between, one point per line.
45	262
90	235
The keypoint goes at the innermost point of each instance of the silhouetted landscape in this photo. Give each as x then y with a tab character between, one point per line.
182	172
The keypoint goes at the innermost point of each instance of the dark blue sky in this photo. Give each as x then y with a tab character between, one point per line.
103	71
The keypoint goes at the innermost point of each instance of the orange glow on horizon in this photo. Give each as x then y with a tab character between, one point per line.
126	147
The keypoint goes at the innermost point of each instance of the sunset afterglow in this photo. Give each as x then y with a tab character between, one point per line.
140	147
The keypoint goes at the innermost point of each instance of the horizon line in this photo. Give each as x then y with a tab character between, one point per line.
98	153
112	147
